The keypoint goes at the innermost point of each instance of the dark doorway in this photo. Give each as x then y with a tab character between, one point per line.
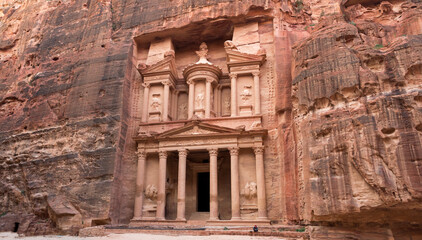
16	228
203	192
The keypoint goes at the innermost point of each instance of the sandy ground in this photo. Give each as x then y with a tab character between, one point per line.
134	236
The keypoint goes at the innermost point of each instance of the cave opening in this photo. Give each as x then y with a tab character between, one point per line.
16	228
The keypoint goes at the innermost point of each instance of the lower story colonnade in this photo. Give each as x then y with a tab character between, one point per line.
180	169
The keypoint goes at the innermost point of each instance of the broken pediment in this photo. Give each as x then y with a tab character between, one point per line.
165	66
236	57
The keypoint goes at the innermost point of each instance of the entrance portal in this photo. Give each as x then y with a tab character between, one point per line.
203	191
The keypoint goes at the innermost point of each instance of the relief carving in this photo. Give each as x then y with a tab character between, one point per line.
151	192
183	111
250	190
200	100
246	94
156	102
227	105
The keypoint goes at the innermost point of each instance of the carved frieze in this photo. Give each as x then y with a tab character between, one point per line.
198	142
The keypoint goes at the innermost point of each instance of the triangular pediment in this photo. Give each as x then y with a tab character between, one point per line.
196	128
235	56
168	64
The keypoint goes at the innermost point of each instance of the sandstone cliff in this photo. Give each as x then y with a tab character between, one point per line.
348	79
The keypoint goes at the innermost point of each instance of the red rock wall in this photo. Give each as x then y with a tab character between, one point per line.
349	100
356	108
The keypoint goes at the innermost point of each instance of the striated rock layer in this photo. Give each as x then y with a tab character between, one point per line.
347	80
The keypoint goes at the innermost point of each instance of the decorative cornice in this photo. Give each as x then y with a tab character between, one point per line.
202	67
210	80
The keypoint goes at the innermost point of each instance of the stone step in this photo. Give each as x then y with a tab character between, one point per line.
201	232
201	216
281	231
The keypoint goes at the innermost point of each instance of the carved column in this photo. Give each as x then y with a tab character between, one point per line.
260	179
181	185
233	89
166	100
234	161
213	184
145	105
208	98
140	177
191	99
161	198
257	93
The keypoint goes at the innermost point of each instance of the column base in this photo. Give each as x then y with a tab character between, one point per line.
180	219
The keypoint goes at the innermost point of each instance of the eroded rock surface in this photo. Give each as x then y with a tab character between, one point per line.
356	85
347	82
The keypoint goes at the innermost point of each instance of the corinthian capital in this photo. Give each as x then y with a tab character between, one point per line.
142	155
162	154
258	150
233	75
213	151
234	151
146	85
183	152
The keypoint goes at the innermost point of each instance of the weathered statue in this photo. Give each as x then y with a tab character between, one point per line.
151	192
203	53
246	94
230	45
250	190
200	100
156	102
183	111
